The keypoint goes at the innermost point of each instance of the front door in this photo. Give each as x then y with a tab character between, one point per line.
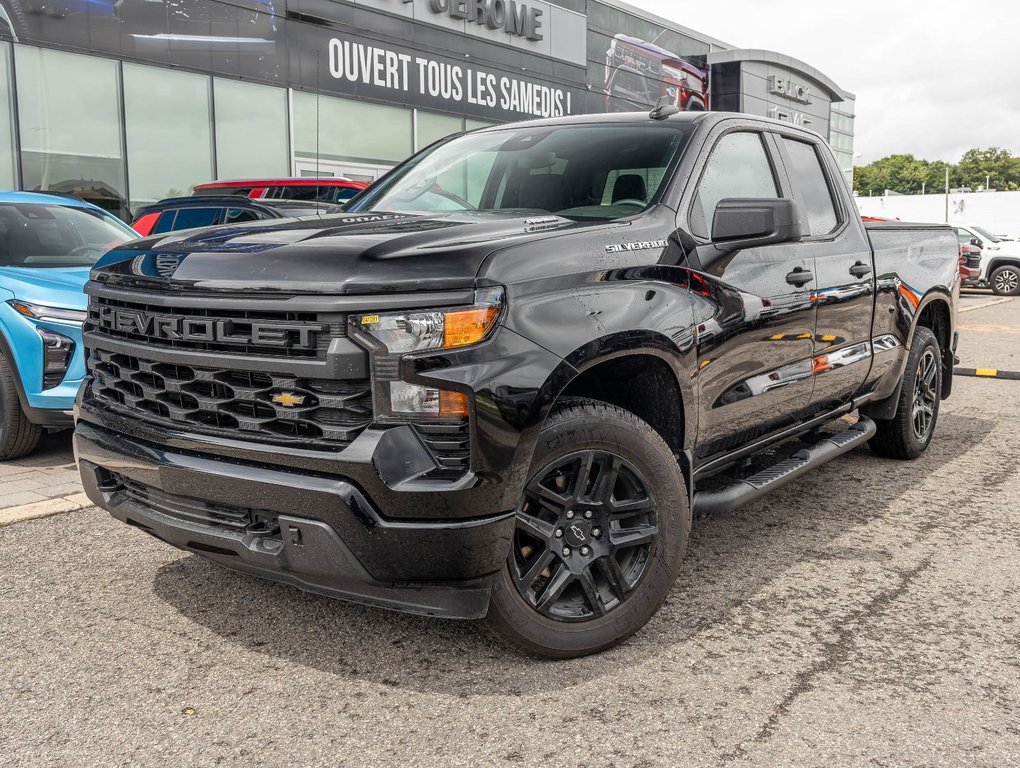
756	320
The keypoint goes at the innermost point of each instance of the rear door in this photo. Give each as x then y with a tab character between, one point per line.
755	317
844	278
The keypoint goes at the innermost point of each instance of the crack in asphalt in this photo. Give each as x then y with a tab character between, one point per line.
835	652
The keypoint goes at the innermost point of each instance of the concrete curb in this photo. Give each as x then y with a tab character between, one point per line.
45	508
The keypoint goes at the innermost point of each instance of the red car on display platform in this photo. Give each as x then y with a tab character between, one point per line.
326	189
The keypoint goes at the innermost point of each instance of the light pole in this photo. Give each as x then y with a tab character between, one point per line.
852	168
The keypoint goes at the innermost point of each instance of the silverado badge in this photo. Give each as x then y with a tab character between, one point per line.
288	399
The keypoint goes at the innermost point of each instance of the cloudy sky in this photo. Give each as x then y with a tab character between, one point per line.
932	78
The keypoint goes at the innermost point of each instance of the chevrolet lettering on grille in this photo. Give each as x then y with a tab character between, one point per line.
293	335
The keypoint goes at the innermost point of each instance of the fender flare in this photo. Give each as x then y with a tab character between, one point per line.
886	409
613	346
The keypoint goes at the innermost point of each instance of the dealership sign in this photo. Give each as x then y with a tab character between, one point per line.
510	16
782	86
440	83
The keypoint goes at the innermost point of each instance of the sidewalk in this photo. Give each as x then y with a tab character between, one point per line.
44	483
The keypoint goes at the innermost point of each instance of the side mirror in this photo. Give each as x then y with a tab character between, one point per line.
975	242
751	222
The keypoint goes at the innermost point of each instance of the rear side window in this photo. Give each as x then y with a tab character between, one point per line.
810	186
738	167
197	217
237	215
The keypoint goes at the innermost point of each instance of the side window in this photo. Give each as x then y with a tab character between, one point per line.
810	186
237	215
197	217
738	167
165	222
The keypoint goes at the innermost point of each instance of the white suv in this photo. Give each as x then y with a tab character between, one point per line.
1000	259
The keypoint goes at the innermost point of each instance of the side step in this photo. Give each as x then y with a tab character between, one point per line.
743	491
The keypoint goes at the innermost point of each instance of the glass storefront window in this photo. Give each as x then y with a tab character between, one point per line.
342	134
169	137
433	127
472	125
8	174
69	116
252	134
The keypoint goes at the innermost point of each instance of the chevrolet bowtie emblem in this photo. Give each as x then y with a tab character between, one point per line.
288	399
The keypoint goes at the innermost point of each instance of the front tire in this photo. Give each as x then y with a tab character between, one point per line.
600	536
1005	281
18	436
908	433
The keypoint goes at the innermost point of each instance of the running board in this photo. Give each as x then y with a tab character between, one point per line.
743	491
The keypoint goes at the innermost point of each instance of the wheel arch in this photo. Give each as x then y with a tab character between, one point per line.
654	368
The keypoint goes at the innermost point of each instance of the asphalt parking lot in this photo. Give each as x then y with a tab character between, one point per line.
866	615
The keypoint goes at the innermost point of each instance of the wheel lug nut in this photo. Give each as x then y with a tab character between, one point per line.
566	551
570	514
587	514
585	551
559	533
596	532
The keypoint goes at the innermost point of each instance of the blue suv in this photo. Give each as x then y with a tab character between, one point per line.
47	245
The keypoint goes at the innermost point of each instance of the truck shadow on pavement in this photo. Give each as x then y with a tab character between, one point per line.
731	557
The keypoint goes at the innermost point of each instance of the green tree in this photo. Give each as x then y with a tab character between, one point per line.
995	165
909	175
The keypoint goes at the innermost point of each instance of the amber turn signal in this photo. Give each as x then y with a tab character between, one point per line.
452	403
465	327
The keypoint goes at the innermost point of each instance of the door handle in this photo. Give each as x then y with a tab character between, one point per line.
800	276
860	269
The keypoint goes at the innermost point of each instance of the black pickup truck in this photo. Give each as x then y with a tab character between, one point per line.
502	381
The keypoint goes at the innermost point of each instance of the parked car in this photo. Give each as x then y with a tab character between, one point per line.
513	408
176	213
1000	267
970	264
47	245
328	189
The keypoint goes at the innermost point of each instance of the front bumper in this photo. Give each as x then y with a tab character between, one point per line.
315	531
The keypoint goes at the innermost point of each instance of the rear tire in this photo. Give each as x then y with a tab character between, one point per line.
600	536
1005	281
908	433
18	436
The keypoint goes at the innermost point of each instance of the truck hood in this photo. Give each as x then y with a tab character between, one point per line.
339	254
60	288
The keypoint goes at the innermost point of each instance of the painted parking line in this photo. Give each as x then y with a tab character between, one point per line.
984	304
987	373
38	509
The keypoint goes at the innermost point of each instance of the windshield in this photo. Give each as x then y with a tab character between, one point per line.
986	234
41	235
579	172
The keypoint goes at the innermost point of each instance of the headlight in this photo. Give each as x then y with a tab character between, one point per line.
439	329
51	314
403	332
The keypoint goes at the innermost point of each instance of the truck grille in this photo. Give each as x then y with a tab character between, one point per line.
233	403
215	330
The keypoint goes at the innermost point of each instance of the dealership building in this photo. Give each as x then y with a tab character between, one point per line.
128	101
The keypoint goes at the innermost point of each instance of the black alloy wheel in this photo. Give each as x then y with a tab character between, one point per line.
584	536
600	533
925	396
908	434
